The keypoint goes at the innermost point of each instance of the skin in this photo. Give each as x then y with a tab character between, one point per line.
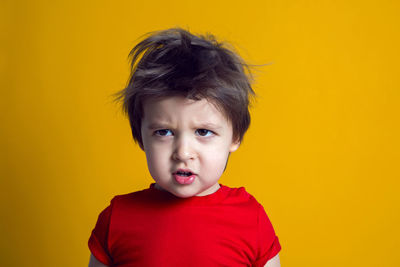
274	262
180	133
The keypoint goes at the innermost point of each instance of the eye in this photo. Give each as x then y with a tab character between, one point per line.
204	132
163	132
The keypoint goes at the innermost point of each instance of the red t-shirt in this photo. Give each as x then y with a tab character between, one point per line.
155	228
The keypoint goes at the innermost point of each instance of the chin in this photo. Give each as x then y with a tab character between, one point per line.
184	192
181	194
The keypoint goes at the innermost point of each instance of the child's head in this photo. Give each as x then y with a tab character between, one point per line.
176	63
187	102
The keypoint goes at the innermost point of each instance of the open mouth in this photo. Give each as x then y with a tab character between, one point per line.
183	173
184	177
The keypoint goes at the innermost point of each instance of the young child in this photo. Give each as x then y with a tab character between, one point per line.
187	102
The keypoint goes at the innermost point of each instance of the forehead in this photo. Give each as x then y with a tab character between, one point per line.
181	108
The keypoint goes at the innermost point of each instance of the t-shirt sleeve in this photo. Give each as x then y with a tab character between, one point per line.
268	242
98	241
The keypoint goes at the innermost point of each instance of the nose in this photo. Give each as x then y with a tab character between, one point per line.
183	150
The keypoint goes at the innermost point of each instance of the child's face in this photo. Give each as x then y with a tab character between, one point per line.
187	144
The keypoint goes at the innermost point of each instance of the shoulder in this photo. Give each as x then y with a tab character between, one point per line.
132	195
240	194
242	199
131	199
118	202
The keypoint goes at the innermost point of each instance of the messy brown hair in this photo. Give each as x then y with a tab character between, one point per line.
175	62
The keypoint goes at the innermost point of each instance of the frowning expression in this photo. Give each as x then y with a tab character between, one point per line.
187	144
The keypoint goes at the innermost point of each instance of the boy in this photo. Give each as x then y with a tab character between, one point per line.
187	101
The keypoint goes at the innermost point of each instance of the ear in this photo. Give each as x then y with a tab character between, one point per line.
234	146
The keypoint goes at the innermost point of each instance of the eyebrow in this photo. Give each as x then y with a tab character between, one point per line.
208	125
157	125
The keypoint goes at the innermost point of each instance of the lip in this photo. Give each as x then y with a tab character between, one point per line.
184	180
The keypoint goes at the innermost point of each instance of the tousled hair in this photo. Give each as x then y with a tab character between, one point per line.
175	62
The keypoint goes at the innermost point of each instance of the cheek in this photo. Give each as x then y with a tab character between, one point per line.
216	159
157	157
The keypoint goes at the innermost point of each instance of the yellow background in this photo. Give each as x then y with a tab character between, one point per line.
322	153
